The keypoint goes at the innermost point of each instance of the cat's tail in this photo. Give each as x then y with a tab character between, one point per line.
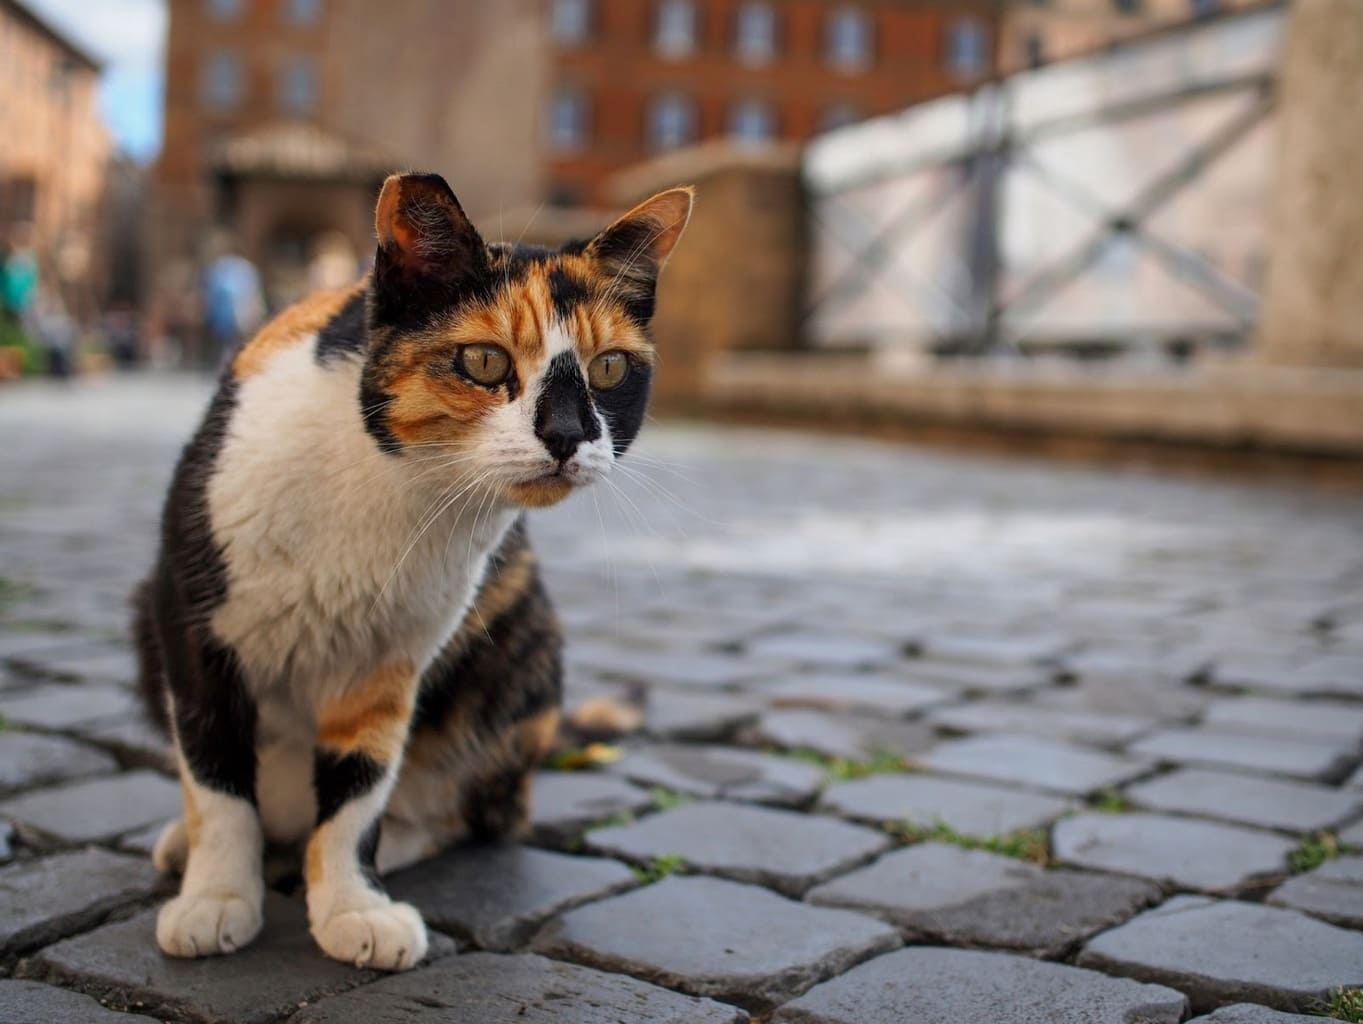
151	666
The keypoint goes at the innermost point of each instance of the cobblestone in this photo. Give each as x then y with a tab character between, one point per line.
269	979
1287	719
925	986
787	851
43	900
1302	760
759	950
866	694
944	894
565	804
27	761
68	705
497	895
1333	892
1081	726
30	1002
971	808
851	737
1226	951
1034	763
722	772
853	599
98	808
1247	799
484	988
1248	1013
1177	851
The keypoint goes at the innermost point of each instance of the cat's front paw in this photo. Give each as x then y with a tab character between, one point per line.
207	924
390	937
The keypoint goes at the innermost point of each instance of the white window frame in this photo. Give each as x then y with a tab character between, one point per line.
676	28
967	53
849	38
568	119
570	22
755	32
753	121
680	109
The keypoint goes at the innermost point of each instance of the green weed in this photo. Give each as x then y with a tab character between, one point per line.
659	868
1029	844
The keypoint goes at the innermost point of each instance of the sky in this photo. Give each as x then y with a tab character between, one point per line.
129	37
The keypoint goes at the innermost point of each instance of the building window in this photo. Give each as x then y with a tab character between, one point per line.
752	121
298	86
1128	6
222	80
567	119
755	40
848	39
304	12
966	47
1204	8
839	115
1036	50
675	33
226	10
671	121
571	22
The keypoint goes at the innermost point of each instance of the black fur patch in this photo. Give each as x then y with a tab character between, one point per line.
626	256
624	406
347	334
374	411
563	412
340	778
566	292
499	672
215	717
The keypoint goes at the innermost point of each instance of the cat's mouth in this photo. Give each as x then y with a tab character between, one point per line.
542	491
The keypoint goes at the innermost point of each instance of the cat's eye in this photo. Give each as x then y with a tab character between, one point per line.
487	364
608	370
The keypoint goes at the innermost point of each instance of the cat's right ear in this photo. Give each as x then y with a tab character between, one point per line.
430	255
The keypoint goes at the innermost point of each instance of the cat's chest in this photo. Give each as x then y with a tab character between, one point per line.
337	558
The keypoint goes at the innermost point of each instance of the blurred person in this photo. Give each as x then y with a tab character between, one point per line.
55	331
234	305
18	275
121	334
333	263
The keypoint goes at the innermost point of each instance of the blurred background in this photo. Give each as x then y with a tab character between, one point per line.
1101	218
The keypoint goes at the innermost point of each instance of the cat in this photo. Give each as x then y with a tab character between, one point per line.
345	630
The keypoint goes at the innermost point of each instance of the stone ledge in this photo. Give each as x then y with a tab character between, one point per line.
1237	405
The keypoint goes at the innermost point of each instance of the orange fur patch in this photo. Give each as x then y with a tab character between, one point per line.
372	718
290	327
535	736
312	860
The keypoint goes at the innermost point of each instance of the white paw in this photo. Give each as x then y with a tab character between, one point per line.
172	849
390	937
206	924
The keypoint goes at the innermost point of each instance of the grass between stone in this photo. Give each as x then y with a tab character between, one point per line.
658	868
1343	1004
1030	845
1313	851
13	591
666	799
1110	801
841	769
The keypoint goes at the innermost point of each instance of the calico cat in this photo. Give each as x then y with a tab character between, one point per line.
345	630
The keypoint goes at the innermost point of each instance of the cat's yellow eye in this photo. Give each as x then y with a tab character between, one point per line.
487	364
608	370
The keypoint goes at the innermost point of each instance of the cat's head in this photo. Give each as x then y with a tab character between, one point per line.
526	370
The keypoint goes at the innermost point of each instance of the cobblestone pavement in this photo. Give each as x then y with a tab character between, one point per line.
923	739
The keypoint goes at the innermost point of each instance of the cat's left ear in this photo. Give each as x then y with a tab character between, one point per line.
632	251
429	252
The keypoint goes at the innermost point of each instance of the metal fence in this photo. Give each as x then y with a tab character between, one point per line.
1108	202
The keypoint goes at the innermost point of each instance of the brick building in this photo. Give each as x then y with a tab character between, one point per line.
632	78
282	116
54	153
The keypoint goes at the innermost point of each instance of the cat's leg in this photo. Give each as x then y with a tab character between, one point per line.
218	909
171	849
360	738
496	804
